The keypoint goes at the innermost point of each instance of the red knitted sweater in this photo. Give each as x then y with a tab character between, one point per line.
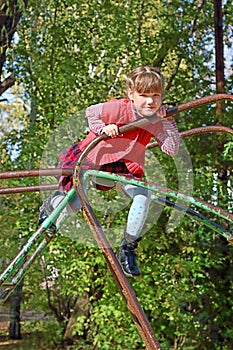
129	147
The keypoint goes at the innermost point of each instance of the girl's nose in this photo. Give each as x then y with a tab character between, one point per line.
150	99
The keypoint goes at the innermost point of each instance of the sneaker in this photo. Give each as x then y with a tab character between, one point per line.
127	258
46	209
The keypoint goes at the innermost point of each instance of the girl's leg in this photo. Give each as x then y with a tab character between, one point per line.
135	222
52	203
71	209
138	210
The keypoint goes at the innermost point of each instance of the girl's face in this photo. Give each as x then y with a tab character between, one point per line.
146	103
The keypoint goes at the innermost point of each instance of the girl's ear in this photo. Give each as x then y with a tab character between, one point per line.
131	94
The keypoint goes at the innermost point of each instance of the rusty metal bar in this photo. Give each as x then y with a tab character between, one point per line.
145	121
36	172
138	315
198	103
133	305
206	129
32	173
198	131
23	189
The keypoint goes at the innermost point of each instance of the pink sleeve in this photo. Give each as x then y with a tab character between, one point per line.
93	114
169	138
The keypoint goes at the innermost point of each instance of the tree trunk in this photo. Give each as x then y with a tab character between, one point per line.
219	52
81	308
14	329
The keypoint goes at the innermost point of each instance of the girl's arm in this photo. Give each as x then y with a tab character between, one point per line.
93	114
168	138
166	132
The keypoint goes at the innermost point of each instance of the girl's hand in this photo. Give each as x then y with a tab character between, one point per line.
111	130
162	111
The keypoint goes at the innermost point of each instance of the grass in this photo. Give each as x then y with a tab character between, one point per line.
34	337
29	341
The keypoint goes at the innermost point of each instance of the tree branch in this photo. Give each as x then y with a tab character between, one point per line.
7	83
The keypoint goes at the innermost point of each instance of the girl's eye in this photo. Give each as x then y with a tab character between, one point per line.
155	95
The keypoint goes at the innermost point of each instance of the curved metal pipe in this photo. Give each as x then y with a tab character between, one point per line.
23	189
36	172
145	121
198	131
198	103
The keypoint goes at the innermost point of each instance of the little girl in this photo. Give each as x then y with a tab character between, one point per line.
123	154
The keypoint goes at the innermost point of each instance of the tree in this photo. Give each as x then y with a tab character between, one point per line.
10	14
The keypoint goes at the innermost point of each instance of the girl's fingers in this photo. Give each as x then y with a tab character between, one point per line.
111	130
162	111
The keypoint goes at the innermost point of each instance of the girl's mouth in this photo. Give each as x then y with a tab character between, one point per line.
146	111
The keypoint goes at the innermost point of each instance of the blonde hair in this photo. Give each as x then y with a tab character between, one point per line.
145	79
